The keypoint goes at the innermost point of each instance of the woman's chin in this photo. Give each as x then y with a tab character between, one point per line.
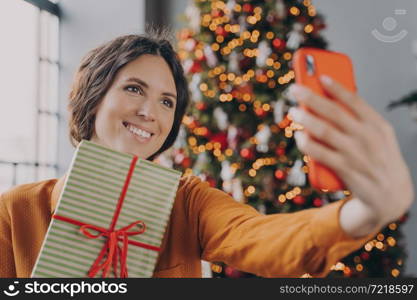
139	154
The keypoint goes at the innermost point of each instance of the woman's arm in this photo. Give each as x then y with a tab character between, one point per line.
277	245
7	266
362	149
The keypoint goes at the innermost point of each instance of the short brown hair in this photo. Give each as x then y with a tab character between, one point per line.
98	70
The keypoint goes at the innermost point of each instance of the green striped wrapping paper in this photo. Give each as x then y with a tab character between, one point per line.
90	195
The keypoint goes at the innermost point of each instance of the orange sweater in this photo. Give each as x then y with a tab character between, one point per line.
205	223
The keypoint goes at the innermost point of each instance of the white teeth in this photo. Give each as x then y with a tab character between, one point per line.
138	131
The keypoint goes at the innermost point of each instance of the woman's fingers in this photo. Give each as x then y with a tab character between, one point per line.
326	108
352	139
321	129
334	139
364	130
320	152
355	103
370	120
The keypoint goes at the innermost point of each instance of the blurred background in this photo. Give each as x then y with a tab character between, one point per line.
43	42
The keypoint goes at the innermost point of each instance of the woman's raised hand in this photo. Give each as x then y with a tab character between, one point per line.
361	147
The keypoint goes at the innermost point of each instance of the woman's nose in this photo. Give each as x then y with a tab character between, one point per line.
147	110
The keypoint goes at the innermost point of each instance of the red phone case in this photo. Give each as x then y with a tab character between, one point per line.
339	67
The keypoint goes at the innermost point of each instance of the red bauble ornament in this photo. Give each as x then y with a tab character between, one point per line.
318	25
262	78
196	67
211	181
260	112
247	153
233	273
193	124
272	18
285	122
403	219
205	132
201	58
321	27
317	202
201	105
302	19
278	44
245	63
299	200
244	133
247	8
216	13
279	174
236	94
186	162
185	34
221	138
221	31
364	255
246	88
280	151
179	156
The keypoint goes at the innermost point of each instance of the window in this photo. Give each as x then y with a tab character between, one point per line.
29	71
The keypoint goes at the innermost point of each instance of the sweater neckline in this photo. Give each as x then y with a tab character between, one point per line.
56	192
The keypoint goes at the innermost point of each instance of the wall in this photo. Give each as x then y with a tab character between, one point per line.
86	24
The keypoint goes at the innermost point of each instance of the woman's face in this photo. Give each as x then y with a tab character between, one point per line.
137	112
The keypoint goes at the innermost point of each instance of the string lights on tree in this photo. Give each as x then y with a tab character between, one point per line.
237	136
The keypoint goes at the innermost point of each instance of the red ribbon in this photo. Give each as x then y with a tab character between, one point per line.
111	251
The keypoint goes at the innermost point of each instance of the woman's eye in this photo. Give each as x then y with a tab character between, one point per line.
134	89
168	102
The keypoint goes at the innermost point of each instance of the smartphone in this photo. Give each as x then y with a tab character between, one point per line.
308	65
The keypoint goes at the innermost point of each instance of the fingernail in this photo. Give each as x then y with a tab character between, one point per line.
290	113
326	79
299	91
299	138
295	114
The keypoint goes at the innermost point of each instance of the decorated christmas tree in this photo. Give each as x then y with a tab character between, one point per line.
237	136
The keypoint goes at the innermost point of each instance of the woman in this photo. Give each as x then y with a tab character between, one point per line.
131	94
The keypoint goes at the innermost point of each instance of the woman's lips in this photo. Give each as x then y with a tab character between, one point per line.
137	137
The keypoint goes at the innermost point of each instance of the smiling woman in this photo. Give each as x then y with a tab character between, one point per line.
139	105
139	100
131	95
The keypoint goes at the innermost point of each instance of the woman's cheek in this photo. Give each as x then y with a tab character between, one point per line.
171	124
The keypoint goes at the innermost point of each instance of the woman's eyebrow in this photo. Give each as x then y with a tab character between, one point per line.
145	85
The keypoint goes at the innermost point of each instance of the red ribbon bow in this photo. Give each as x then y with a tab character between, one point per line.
111	248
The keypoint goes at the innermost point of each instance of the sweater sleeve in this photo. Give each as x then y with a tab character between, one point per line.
278	245
7	265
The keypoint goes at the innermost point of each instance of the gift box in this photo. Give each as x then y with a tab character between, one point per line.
111	216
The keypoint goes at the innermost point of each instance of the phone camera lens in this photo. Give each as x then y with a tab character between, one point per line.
310	65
